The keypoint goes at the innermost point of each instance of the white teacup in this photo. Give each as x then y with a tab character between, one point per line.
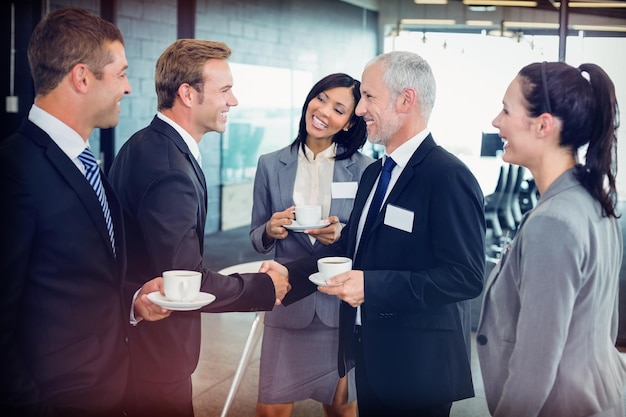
333	265
180	285
308	215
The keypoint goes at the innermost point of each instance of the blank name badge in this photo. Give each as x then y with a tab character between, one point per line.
399	218
344	189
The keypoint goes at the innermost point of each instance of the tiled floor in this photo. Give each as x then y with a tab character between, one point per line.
224	336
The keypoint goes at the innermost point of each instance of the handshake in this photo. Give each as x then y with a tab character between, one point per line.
280	278
339	279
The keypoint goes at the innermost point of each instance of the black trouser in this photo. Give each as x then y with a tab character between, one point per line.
153	399
370	404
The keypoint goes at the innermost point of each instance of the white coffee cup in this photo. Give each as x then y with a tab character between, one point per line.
180	285
308	215
333	265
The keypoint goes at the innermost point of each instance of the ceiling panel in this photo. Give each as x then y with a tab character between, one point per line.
542	17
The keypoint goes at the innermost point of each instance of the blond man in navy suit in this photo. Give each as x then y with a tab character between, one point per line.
163	193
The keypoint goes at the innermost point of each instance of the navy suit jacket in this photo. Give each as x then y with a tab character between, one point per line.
62	314
413	339
163	193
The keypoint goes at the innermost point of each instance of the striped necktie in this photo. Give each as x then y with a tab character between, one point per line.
92	173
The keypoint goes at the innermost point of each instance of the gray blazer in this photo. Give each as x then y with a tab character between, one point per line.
549	315
273	191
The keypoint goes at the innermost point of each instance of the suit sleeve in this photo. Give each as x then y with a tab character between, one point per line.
261	207
17	225
301	269
546	306
168	215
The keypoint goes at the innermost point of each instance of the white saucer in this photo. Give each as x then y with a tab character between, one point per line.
317	279
201	300
296	227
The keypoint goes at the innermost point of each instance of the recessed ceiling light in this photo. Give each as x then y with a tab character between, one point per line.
431	1
513	3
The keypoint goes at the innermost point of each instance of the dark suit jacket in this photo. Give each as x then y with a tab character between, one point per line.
412	335
163	193
62	337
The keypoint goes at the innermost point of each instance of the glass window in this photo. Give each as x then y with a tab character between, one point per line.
473	72
266	119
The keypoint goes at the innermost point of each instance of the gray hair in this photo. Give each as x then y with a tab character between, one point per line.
408	70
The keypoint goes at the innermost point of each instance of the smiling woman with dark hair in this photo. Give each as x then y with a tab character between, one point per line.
321	167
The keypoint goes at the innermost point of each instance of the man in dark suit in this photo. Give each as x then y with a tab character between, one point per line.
419	257
162	188
63	311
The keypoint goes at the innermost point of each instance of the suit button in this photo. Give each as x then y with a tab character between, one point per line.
481	339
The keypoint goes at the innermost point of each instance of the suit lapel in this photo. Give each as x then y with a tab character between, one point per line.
118	226
368	179
167	130
81	186
200	176
406	177
411	170
202	214
286	175
495	272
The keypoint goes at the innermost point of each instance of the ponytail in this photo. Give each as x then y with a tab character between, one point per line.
584	100
600	168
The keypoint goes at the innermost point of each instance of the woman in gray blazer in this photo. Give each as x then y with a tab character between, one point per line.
321	167
546	337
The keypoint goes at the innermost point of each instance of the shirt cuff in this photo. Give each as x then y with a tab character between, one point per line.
133	320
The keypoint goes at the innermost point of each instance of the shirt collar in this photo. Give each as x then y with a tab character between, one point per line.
66	138
189	140
327	154
404	152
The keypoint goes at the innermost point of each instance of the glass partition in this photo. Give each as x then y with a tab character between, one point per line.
266	119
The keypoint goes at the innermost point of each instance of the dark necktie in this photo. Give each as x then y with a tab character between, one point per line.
379	194
92	173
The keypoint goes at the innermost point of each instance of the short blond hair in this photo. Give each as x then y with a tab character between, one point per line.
183	62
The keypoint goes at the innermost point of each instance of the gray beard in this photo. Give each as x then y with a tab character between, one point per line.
384	135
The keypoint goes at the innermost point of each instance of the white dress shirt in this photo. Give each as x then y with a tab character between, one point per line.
66	138
314	179
189	140
401	156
